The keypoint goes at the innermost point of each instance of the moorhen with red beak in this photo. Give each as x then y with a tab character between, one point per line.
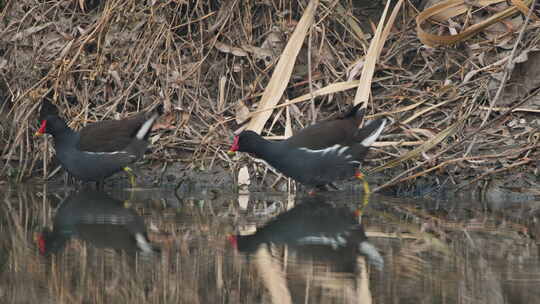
100	149
319	154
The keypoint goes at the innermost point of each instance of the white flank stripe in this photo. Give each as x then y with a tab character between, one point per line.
106	153
335	242
373	137
146	127
324	151
335	150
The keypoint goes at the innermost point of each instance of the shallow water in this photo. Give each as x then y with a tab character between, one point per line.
71	247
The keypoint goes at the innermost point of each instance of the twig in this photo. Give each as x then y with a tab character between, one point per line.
397	179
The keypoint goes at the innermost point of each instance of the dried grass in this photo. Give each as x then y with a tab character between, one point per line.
108	59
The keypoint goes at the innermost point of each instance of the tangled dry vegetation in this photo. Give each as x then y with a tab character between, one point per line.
208	63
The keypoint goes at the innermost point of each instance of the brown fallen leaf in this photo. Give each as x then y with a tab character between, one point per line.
167	121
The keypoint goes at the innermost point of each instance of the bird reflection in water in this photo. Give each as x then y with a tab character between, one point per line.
100	221
322	242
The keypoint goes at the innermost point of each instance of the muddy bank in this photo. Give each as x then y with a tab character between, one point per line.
507	188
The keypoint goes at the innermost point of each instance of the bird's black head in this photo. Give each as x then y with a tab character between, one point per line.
49	242
245	243
247	141
51	124
47	109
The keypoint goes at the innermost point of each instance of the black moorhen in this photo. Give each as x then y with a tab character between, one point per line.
313	224
100	149
98	219
319	154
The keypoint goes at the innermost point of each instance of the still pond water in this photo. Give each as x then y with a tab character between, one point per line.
158	246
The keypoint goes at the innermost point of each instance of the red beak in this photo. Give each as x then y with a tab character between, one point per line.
233	240
41	244
41	130
235	146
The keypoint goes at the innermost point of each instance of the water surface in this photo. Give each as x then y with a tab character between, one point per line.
158	246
